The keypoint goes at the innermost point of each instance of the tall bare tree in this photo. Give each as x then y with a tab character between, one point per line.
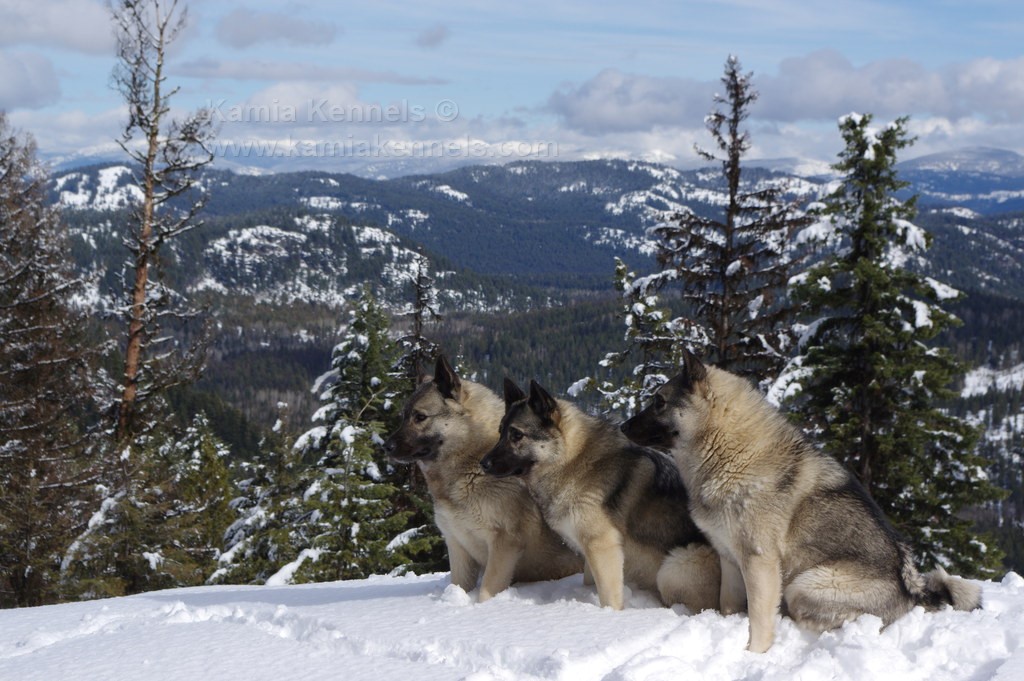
734	267
168	155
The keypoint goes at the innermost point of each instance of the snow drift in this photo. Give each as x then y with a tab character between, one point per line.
422	627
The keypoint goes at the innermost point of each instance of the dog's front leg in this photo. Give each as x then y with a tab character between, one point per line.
464	569
763	579
604	555
588	574
733	593
502	558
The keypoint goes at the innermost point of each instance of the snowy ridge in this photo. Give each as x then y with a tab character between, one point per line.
970	160
621	240
981	380
591	211
674	193
402	628
110	189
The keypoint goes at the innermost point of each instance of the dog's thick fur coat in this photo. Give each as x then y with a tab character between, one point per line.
488	524
622	506
792	526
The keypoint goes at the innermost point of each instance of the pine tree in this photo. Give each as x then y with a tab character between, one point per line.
46	375
651	338
165	534
351	523
870	382
267	505
200	511
418	350
161	348
334	512
168	159
733	269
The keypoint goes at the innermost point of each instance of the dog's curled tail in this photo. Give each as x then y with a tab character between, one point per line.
937	589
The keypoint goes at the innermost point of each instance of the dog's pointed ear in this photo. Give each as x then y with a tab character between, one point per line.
694	371
542	403
446	379
423	374
513	393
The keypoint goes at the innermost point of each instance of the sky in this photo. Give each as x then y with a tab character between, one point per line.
317	83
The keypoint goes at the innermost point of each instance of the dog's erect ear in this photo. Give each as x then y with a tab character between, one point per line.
446	379
542	403
423	374
693	368
513	393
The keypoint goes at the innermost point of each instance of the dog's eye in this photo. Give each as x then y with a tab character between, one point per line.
419	417
515	435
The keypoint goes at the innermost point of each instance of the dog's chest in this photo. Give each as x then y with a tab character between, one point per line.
559	511
465	528
567	529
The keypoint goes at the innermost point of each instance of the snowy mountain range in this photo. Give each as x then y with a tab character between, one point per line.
557	223
980	160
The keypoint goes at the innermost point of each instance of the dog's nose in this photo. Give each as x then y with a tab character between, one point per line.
485	463
389	446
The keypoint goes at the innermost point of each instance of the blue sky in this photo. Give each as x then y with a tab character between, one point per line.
560	79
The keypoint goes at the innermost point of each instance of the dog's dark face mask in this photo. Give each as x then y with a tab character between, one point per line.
656	425
524	430
420	435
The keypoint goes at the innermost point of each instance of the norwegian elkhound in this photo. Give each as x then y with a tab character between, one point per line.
448	425
792	526
622	506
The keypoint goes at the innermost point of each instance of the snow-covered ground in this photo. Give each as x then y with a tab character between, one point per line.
422	628
979	381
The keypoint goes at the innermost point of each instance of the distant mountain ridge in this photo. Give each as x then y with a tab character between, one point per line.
985	160
558	224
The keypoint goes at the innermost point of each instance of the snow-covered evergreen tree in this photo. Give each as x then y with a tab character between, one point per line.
46	386
356	524
732	268
268	504
338	515
870	381
652	339
163	533
416	349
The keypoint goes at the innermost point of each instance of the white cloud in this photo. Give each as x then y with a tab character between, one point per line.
817	87
243	28
80	25
256	69
617	101
27	81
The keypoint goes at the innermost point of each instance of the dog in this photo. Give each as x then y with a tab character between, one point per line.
623	507
488	524
793	528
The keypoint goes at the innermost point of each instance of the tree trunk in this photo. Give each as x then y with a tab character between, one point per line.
136	325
